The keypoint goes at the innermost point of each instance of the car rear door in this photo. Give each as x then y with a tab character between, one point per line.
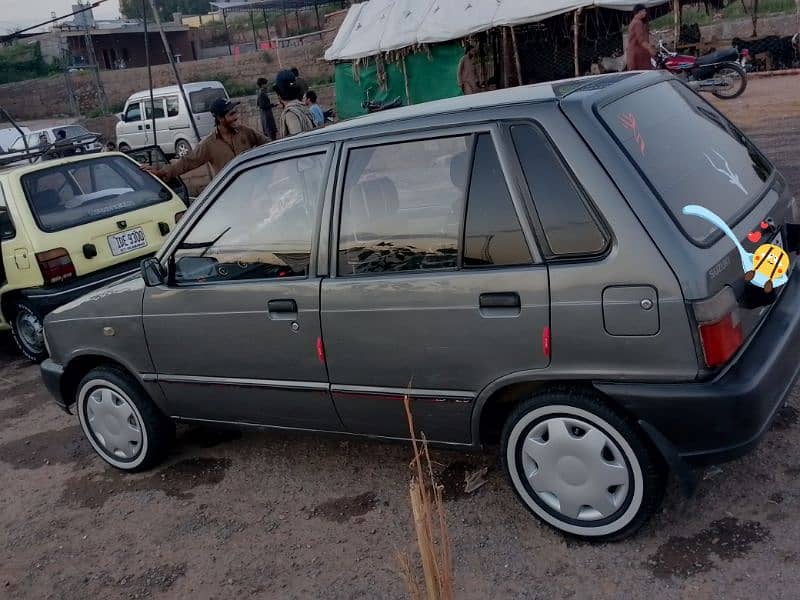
436	288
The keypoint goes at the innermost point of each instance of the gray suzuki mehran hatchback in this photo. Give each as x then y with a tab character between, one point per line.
592	274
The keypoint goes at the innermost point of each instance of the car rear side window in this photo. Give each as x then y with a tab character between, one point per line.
201	100
173	106
402	206
493	235
689	153
570	228
82	192
260	227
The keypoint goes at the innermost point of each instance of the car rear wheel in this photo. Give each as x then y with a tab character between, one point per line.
124	147
182	148
27	327
580	467
120	420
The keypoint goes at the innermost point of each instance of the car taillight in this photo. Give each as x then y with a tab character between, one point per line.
720	327
56	265
179	216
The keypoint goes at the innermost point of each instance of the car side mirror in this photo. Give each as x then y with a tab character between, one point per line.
153	272
122	117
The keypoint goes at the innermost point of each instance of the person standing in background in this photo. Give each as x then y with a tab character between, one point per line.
302	86
468	75
265	107
639	52
295	117
317	115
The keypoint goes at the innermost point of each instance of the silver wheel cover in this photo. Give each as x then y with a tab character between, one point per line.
112	424
579	467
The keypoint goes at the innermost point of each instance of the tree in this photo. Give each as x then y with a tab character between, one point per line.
132	9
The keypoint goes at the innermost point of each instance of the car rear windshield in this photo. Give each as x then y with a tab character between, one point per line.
689	153
77	193
201	100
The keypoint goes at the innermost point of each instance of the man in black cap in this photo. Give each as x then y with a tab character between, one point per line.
295	117
228	140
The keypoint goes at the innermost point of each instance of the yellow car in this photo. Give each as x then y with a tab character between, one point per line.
70	226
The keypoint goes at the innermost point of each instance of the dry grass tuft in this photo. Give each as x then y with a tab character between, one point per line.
430	527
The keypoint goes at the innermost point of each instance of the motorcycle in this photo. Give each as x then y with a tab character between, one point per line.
372	106
720	72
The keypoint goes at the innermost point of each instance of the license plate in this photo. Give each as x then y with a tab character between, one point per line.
127	241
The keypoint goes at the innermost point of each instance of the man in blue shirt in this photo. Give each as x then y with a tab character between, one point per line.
316	111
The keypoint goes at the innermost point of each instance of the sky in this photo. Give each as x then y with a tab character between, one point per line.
22	13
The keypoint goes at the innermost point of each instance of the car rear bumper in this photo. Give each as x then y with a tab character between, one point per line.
52	374
720	419
47	299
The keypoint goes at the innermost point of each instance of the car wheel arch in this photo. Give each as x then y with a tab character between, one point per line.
78	366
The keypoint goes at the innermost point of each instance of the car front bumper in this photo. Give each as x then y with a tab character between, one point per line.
717	420
52	374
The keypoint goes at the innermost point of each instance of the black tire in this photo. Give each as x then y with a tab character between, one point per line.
187	147
124	147
742	76
104	387
589	440
27	325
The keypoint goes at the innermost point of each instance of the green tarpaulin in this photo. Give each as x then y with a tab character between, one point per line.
431	76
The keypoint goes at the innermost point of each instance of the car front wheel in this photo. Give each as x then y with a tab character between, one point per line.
120	420
580	467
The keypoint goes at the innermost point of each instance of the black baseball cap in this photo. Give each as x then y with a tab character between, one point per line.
639	7
221	107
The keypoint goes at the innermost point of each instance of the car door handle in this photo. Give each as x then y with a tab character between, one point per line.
503	304
140	128
282	310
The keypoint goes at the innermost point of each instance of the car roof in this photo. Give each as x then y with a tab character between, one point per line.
173	89
554	91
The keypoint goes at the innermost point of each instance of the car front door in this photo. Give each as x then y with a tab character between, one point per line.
436	288
134	126
235	335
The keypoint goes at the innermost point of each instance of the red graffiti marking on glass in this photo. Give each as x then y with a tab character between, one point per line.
628	121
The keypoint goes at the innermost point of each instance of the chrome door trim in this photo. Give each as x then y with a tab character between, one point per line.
413	393
237	382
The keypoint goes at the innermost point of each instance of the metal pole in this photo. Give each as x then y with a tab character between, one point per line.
175	70
316	11
253	27
575	46
149	70
227	31
266	24
405	80
285	19
516	56
676	7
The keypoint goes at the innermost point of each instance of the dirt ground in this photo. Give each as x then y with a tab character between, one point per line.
291	516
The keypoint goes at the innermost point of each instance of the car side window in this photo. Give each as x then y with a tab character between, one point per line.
173	106
7	230
493	234
402	205
570	229
134	112
157	107
260	227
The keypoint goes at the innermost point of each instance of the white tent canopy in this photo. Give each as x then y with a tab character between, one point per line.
383	25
